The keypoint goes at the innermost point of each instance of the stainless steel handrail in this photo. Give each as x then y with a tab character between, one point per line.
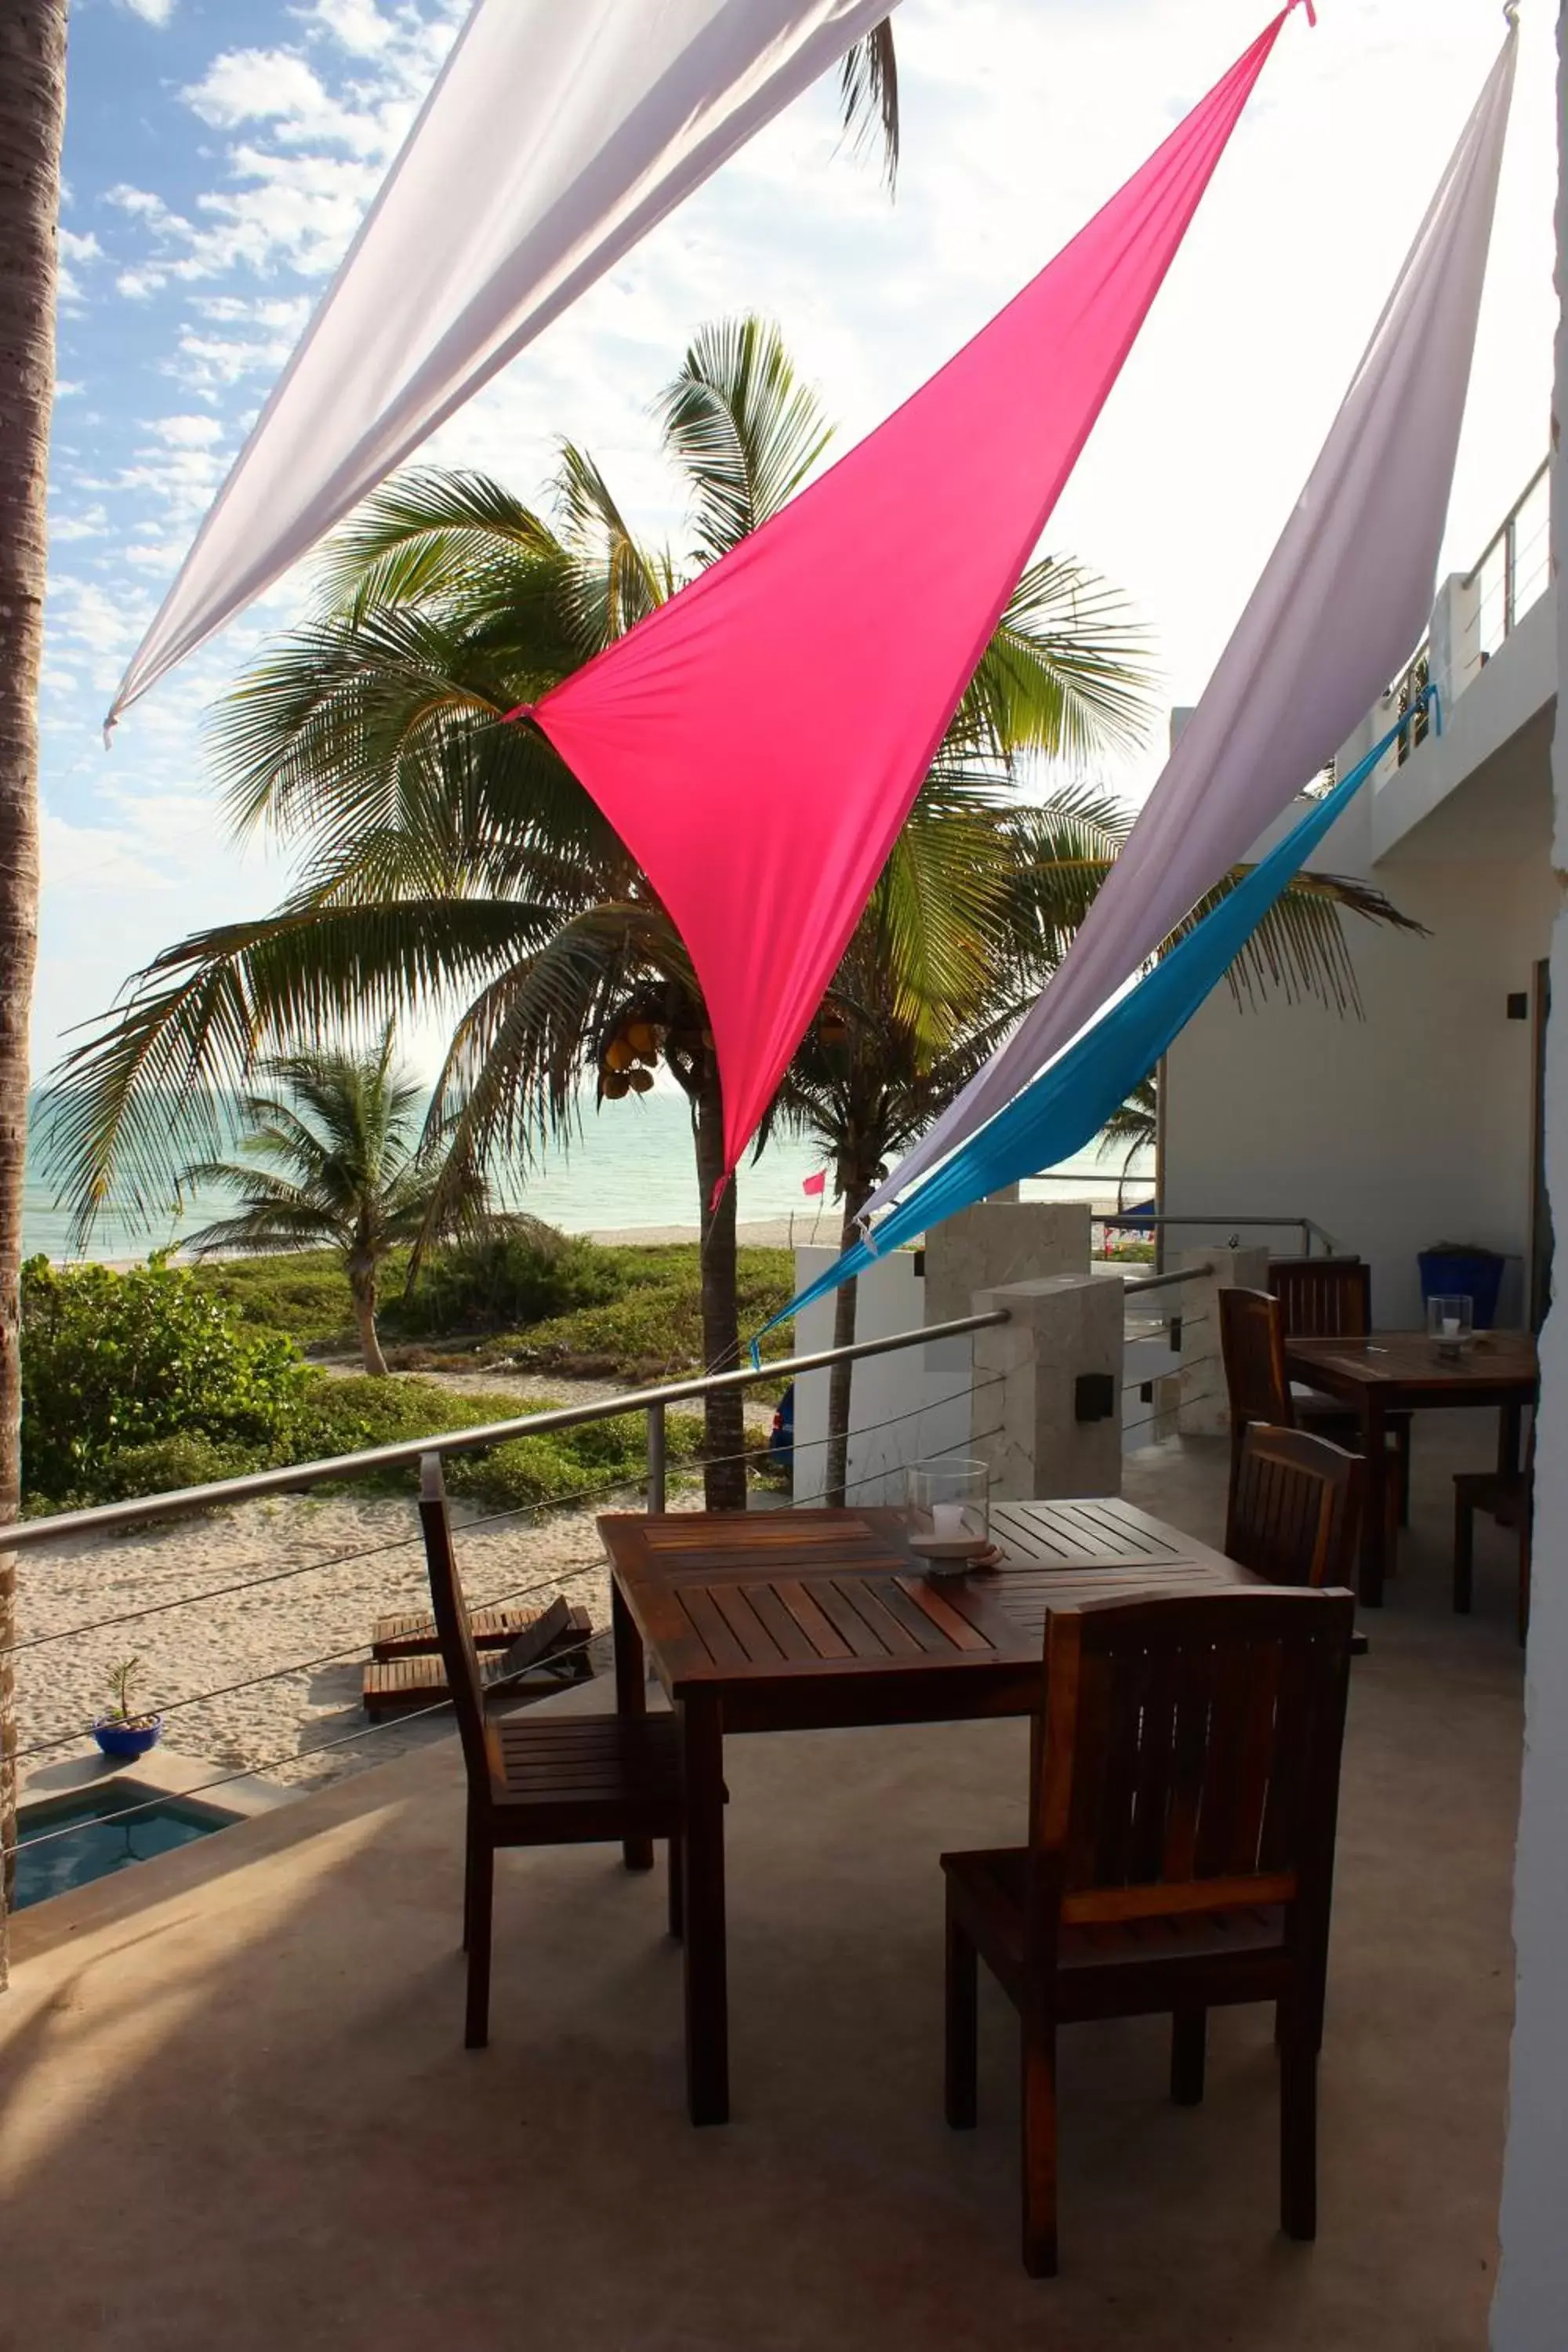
1509	521
1164	1281
105	1517
1306	1226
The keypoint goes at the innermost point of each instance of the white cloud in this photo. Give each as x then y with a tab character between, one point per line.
151	12
93	523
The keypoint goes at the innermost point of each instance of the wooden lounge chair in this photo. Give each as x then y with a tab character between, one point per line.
539	1778
545	1646
410	1633
1180	1857
1330	1298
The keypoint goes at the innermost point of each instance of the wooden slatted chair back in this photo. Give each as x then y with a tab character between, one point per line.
1322	1297
1252	1346
1295	1508
453	1629
1190	1760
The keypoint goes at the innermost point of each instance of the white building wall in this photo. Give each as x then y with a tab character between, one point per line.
1410	1126
899	1410
1531	2310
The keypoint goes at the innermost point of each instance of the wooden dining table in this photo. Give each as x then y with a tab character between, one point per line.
798	1620
1402	1371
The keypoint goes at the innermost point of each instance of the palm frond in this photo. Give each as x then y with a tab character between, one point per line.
614	581
1066	674
743	427
868	97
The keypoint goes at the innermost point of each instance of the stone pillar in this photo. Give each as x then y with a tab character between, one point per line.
1203	1412
1001	1241
1046	1412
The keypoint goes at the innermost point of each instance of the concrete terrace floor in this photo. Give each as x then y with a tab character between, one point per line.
234	2110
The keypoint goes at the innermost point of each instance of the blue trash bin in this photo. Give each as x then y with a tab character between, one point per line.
1472	1274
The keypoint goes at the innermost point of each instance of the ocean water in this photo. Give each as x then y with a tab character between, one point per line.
631	1166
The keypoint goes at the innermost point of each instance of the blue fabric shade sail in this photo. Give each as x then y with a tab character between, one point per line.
1069	1103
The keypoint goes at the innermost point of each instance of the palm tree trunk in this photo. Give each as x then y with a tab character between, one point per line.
32	122
362	1286
724	1431
857	1191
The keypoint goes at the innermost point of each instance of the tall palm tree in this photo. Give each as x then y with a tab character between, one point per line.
1134	1129
450	861
333	1159
32	124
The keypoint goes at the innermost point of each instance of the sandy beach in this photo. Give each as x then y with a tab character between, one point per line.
290	1584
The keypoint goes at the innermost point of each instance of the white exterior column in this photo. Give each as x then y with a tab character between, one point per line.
1529	2311
1204	1411
1055	1360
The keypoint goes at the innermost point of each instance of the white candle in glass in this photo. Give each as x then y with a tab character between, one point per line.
947	1519
1450	1327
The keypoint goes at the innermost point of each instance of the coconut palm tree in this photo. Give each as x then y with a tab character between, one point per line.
32	122
333	1159
451	862
1133	1128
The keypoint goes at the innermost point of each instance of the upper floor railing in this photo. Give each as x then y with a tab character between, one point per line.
1515	564
1512	573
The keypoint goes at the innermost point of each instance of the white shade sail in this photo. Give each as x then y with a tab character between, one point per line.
1345	595
557	133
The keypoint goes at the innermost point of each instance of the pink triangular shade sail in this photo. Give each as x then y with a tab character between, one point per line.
759	740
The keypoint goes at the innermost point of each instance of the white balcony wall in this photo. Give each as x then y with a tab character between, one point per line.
1413	1123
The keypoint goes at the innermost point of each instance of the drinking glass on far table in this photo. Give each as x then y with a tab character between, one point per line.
1450	1325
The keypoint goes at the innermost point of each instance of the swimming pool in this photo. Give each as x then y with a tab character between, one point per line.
78	1840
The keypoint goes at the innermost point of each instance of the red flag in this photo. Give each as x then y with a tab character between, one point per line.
817	1185
757	741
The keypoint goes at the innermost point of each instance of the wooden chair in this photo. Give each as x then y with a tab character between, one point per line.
1330	1298
1509	1498
535	1778
1295	1508
1180	1857
1252	1346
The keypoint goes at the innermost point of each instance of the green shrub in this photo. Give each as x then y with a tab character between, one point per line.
302	1295
521	1272
654	1328
113	1363
166	1463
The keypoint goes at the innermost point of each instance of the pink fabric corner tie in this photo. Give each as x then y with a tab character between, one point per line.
1312	12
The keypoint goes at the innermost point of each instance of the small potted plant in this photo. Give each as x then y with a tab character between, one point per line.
123	1732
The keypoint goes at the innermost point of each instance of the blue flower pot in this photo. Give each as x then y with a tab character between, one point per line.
125	1742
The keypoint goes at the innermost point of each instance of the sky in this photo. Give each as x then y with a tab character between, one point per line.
219	155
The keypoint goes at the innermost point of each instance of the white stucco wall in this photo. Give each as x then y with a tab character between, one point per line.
1531	2310
928	1407
1410	1126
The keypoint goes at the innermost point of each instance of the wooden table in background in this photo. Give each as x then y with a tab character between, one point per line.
787	1621
1397	1372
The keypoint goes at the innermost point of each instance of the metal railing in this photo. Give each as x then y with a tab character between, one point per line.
1307	1228
297	1477
1166	1281
1514	566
